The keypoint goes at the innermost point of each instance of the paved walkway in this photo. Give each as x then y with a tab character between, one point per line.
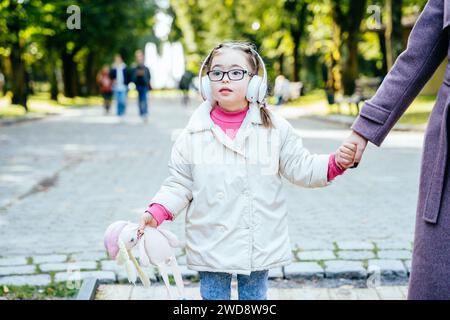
158	292
65	178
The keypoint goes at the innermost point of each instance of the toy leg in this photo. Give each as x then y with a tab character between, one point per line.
177	276
163	271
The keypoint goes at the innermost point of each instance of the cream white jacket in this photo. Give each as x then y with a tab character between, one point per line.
236	218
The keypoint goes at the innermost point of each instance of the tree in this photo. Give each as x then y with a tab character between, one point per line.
297	14
348	16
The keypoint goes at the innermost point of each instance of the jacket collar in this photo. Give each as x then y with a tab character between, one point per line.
201	119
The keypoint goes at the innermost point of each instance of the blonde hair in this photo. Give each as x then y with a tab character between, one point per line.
255	65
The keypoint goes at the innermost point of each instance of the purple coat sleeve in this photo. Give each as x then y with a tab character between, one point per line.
426	49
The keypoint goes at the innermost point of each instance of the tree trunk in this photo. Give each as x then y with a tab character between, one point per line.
69	75
51	74
19	79
281	63
90	75
388	34
296	54
382	43
397	29
350	72
393	32
297	32
352	22
53	85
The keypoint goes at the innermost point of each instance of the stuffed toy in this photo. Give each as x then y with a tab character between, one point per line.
155	247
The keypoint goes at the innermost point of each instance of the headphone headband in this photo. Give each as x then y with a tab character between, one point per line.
200	74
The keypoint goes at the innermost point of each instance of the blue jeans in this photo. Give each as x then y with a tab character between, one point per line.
217	285
143	107
121	98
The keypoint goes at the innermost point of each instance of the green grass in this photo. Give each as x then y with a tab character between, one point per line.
57	291
41	103
417	113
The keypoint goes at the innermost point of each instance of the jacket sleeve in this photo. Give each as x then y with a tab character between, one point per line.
175	192
299	166
426	49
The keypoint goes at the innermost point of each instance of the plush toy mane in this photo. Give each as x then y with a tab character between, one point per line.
111	238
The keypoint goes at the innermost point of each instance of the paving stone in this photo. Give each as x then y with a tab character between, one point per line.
314	245
33	280
275	273
316	255
109	265
389	269
119	292
304	270
345	292
13	261
407	264
394	254
6	271
344	269
366	294
355	245
88	256
102	276
54	258
120	271
49	267
355	255
393	245
390	293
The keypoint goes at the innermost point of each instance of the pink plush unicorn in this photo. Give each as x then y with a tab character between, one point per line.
155	247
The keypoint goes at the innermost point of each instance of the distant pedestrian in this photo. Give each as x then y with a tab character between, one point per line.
185	85
105	83
141	77
281	89
2	83
119	76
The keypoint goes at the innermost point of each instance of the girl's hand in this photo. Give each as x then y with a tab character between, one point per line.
345	155
146	220
361	144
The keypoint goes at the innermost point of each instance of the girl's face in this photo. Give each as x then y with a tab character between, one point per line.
230	94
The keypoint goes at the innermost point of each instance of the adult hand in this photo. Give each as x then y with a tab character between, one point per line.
361	144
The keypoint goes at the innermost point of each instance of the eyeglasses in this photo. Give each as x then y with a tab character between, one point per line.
233	75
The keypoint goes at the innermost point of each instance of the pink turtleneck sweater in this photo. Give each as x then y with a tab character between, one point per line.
230	123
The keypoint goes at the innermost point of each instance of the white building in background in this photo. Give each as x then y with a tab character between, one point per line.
167	68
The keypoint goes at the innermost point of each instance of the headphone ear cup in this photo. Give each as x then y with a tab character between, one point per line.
262	91
253	89
206	89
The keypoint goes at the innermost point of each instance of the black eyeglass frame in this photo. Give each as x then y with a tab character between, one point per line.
226	72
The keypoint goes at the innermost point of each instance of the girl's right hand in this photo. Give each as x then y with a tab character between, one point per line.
345	155
146	220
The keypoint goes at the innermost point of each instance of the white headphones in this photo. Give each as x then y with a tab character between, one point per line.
257	87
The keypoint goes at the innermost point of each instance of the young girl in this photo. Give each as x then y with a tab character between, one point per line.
226	167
